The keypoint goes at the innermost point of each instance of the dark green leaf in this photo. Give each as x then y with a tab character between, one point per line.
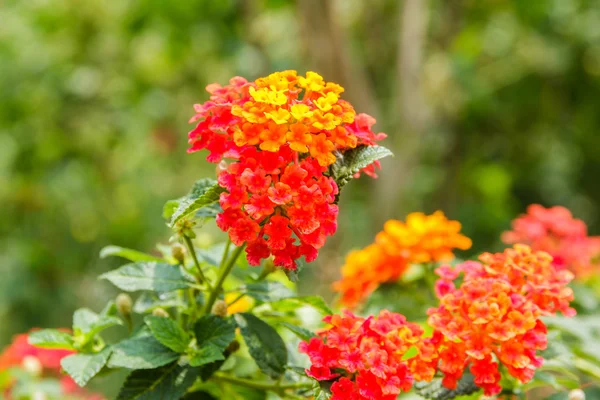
436	391
142	351
352	161
83	367
264	344
51	339
129	254
268	291
168	333
205	355
170	382
152	276
212	330
86	324
204	193
302	333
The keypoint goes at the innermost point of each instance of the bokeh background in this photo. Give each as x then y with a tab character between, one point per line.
489	106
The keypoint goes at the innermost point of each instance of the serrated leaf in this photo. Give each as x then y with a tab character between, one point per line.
212	330
205	355
83	367
204	193
302	333
129	254
264	344
168	333
316	302
166	383
152	276
352	161
267	291
86	324
142	351
51	339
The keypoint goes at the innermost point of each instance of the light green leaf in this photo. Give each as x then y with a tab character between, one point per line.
205	355
264	344
354	160
86	324
302	333
267	291
129	254
142	351
166	383
152	276
204	193
83	367
168	332
212	330
316	302
147	302
51	339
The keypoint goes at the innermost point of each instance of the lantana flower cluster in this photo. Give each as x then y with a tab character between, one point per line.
555	231
493	317
421	239
43	362
280	133
363	356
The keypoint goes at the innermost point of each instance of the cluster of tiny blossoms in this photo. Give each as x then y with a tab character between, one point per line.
492	318
43	362
364	356
555	231
281	133
421	239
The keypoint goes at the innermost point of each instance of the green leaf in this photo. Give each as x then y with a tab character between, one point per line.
204	193
147	302
316	302
205	355
168	333
436	391
264	344
129	254
51	339
214	332
83	367
354	160
142	351
302	333
86	324
152	276
169	382
267	291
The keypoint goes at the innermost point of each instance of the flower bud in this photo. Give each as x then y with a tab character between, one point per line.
233	347
124	304
159	312
32	365
219	308
178	253
576	394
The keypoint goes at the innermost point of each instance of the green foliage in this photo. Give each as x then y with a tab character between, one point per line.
268	291
169	382
152	276
141	351
352	161
436	391
86	324
264	344
168	333
129	254
51	339
214	331
302	333
83	367
204	193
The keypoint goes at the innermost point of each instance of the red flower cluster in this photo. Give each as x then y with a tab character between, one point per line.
493	317
281	132
20	354
555	231
363	355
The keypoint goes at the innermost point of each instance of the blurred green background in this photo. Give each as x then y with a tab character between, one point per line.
489	106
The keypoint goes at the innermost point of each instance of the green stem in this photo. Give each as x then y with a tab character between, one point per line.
271	386
192	301
225	253
224	271
265	272
190	247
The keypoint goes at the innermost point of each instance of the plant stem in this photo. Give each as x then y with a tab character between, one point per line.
190	247
225	253
224	271
271	386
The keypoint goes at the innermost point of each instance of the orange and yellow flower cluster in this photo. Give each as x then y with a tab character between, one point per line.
364	356
421	239
282	133
555	231
493	317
